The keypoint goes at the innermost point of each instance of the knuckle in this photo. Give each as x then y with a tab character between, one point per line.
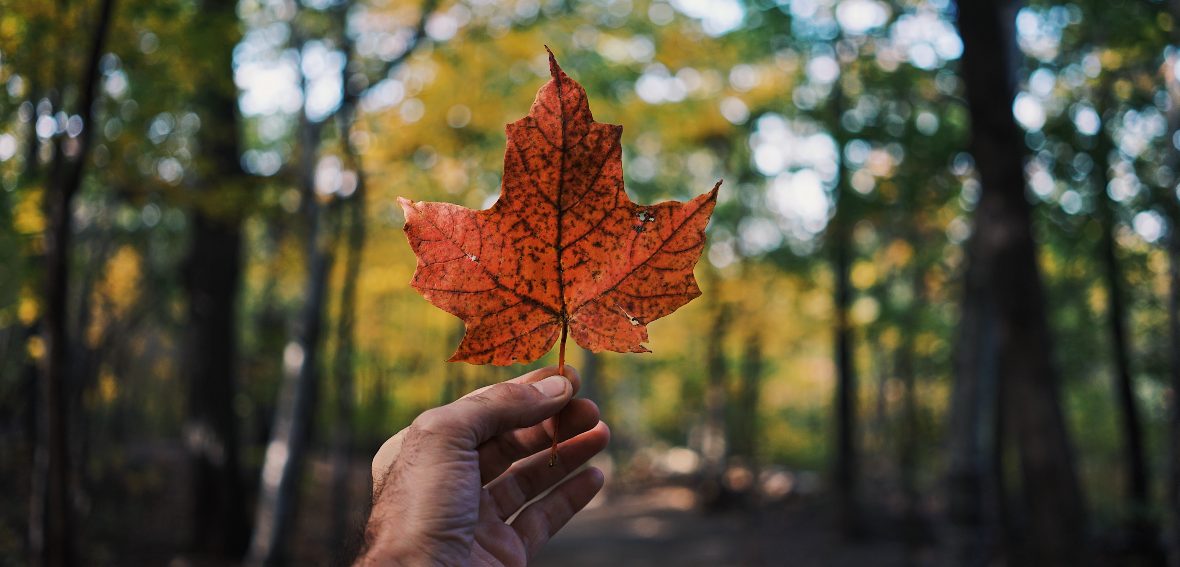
500	397
483	399
509	393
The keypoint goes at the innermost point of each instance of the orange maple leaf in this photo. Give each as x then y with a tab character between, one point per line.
563	248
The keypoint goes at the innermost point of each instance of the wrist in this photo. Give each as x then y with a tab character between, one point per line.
384	546
391	553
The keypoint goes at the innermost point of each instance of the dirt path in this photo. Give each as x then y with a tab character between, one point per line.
662	527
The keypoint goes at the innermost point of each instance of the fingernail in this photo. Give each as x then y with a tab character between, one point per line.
552	386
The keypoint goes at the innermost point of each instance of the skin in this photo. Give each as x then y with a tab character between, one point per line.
445	488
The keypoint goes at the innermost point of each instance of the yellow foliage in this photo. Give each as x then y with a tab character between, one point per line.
122	281
863	274
35	347
27	214
1111	58
28	310
108	388
115	294
1097	299
1051	265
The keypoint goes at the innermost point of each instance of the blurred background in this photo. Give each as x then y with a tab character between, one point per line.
939	322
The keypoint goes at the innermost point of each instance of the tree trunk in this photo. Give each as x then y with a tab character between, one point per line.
282	469
343	372
1142	532
354	246
53	510
291	433
53	503
342	517
973	481
846	461
212	278
1004	275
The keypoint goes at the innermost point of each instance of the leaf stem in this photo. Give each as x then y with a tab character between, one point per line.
560	372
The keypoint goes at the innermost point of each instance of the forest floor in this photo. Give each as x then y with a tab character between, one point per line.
664	526
137	513
139	517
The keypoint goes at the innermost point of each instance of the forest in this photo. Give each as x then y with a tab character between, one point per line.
940	321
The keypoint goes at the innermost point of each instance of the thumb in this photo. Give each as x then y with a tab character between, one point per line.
473	419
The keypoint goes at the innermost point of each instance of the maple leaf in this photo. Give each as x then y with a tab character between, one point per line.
562	248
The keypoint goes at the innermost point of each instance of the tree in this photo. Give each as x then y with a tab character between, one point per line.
1007	325
291	432
212	276
53	503
353	250
847	457
1130	428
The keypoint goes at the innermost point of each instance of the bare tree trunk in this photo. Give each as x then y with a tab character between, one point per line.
354	246
212	277
1142	531
973	482
847	458
53	512
1004	275
343	379
282	468
52	509
291	433
343	371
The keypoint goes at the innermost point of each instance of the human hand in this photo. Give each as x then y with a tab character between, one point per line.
445	487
